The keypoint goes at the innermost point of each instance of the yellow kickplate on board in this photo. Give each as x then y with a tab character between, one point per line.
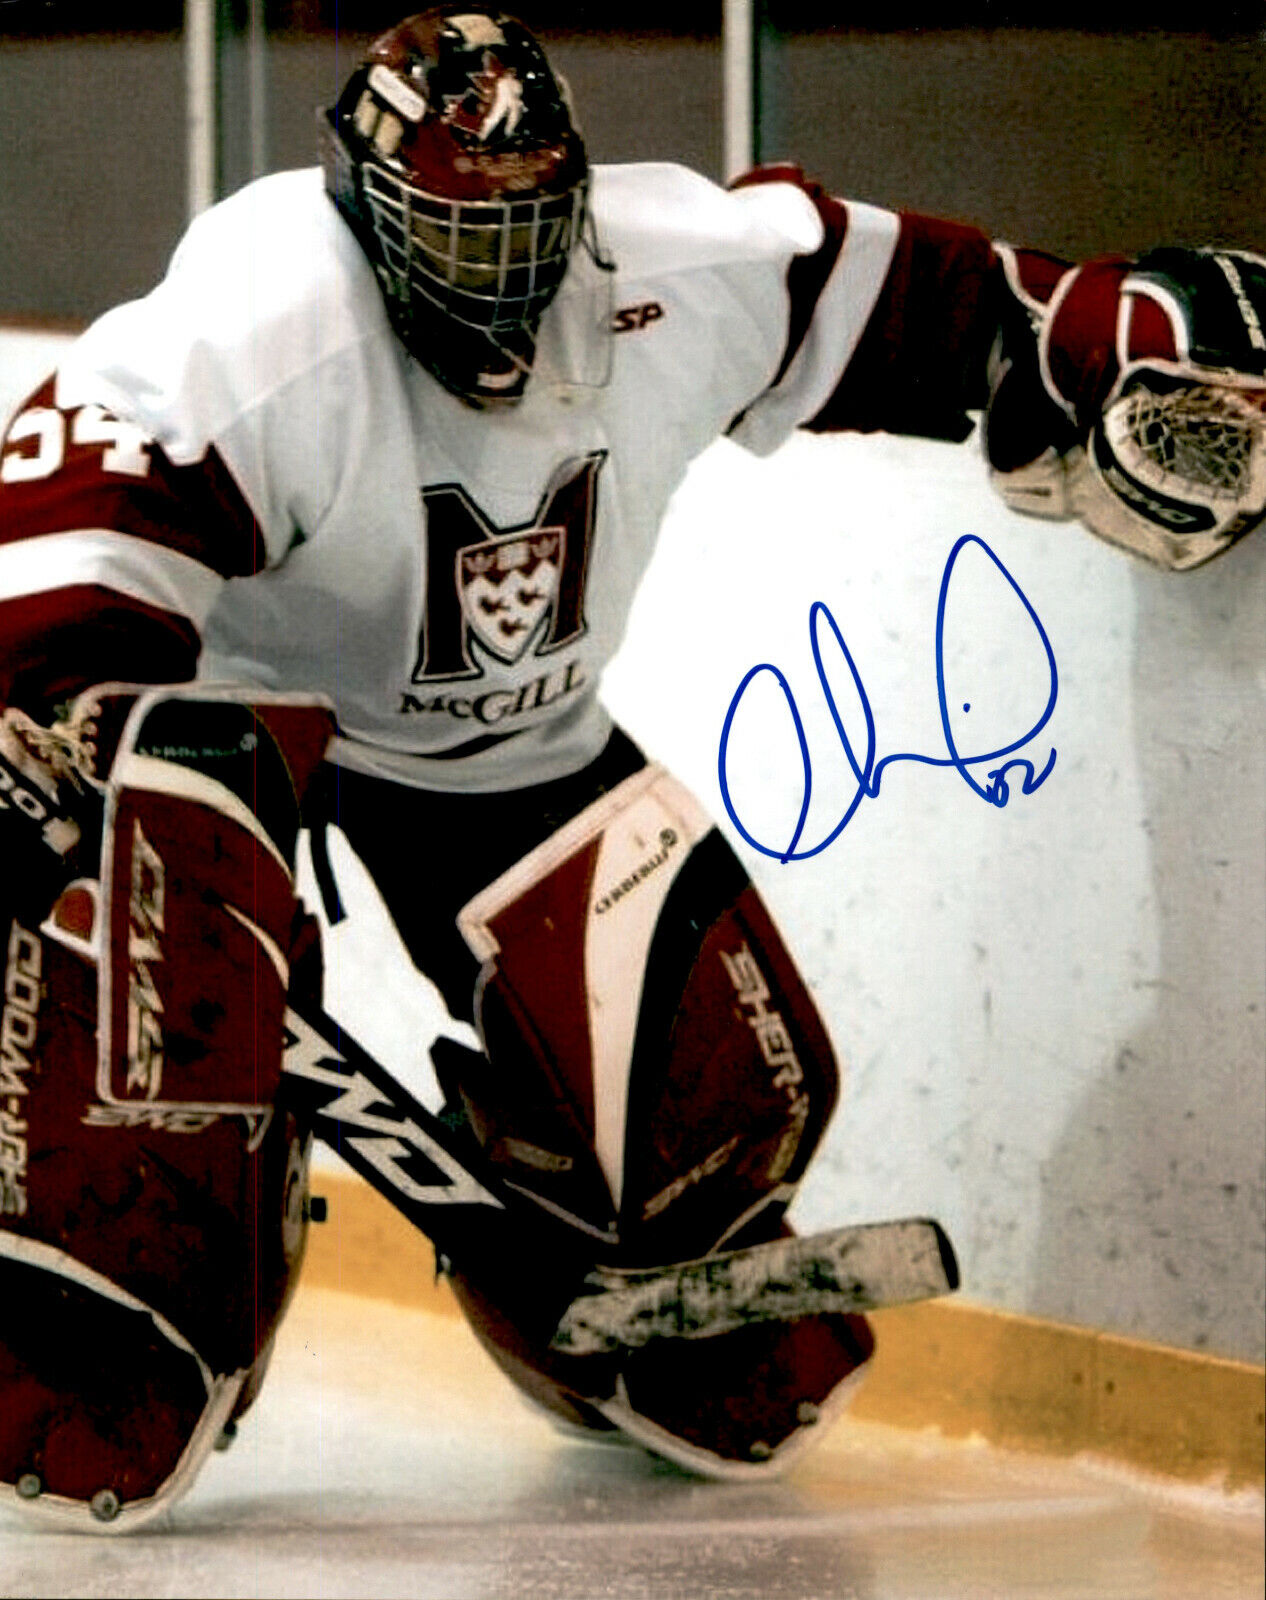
1025	1383
1020	1382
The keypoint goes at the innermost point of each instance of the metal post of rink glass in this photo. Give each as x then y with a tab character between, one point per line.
226	97
738	43
751	95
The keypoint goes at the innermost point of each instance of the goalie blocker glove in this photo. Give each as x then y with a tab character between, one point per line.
50	807
1132	395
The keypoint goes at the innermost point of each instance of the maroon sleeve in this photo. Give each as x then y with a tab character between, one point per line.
55	644
64	478
920	365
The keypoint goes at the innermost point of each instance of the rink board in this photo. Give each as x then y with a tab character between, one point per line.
967	1370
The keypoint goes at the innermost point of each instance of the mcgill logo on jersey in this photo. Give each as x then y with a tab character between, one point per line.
513	591
507	586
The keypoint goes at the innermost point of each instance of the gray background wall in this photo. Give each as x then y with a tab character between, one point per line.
1074	141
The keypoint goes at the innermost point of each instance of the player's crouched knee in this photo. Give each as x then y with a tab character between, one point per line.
733	1405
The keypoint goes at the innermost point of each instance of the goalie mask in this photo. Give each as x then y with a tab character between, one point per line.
452	154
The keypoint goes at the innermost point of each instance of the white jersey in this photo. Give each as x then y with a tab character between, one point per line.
280	485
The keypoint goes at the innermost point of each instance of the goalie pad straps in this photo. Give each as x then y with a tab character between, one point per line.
154	1195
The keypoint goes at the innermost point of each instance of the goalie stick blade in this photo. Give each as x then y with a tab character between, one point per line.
443	1186
847	1269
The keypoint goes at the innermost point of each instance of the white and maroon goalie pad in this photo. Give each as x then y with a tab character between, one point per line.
152	1214
644	1020
658	1075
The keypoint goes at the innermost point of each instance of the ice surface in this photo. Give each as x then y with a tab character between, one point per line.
387	1457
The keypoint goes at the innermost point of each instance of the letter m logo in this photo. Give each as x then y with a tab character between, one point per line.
509	591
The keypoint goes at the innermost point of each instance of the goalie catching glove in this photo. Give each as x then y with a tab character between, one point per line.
152	1179
1132	395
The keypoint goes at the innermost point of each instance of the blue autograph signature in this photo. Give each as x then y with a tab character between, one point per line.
868	772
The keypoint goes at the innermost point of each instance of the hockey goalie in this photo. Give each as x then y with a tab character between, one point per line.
394	437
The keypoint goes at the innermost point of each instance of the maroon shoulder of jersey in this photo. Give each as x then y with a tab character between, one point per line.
920	364
82	471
